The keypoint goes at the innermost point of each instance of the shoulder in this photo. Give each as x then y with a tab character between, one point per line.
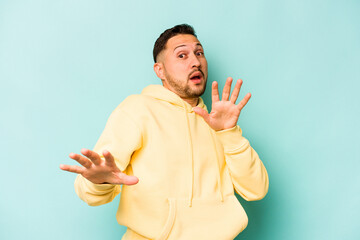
137	100
135	104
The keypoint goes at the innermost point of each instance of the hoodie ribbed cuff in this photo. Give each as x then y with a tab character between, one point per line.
231	138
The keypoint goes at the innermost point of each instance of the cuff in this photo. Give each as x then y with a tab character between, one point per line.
231	138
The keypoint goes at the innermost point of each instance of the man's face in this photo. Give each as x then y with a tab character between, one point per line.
184	66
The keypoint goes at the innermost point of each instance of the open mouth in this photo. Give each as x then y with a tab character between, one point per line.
197	76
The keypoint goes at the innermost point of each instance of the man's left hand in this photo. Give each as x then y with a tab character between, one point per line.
225	113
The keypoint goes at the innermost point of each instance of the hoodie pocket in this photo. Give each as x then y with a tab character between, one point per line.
207	218
169	221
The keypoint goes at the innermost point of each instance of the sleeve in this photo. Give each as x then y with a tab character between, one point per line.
121	137
248	174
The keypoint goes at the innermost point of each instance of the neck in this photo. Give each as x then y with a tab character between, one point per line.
192	101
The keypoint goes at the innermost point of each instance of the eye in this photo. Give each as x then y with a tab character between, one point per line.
181	55
200	53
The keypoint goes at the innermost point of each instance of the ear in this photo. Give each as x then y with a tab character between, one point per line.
159	70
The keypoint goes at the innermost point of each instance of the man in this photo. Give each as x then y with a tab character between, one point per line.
177	164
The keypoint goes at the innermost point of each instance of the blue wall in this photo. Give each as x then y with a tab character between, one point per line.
65	65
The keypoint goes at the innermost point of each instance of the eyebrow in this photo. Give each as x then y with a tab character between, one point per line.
183	45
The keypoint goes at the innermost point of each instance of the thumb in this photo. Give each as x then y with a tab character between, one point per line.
202	112
130	180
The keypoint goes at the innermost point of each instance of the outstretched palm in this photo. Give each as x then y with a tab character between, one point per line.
225	113
98	170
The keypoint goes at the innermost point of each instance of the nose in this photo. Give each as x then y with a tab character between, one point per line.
195	61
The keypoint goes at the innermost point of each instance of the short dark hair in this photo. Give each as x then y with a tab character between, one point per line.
169	33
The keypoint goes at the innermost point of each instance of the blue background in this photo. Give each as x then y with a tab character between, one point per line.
65	65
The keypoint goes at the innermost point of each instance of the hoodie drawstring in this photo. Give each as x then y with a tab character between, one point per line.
191	152
217	161
191	157
163	94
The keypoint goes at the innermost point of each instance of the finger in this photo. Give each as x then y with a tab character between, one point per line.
73	169
235	93
109	158
202	112
93	156
81	159
226	90
244	101
215	92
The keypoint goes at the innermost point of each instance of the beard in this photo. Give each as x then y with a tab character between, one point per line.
184	89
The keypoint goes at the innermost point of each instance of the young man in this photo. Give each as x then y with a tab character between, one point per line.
177	164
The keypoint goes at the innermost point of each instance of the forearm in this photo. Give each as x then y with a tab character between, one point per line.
248	174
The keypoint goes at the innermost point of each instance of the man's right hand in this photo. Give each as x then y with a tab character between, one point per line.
97	170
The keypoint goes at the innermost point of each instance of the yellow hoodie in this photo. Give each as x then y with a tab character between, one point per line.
187	172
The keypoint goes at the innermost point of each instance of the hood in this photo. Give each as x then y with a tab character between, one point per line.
163	94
